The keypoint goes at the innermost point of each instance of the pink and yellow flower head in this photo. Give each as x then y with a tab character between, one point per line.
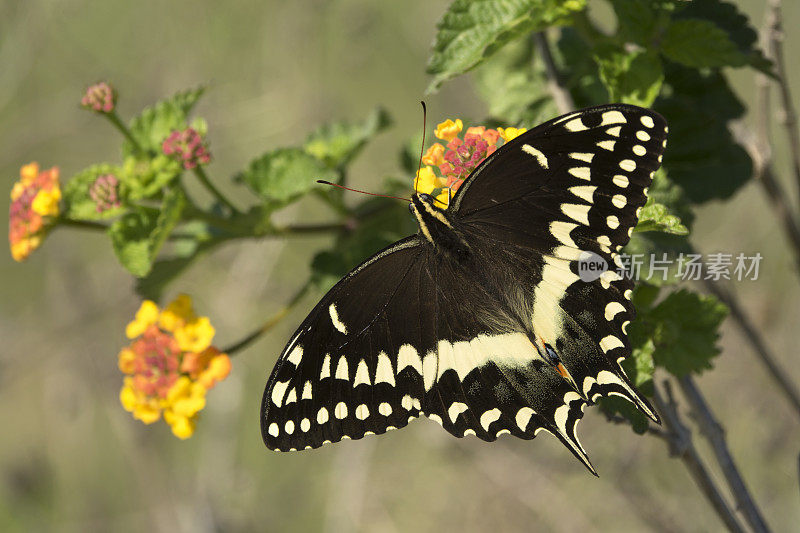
458	157
186	147
170	365
34	207
100	98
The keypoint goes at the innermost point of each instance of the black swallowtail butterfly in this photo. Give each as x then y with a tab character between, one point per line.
480	321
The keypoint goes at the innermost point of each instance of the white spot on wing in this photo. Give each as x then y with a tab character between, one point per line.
628	165
607	145
581	172
488	417
384	373
613	117
385	409
274	430
362	411
614	132
575	124
647	121
362	374
613	222
295	355
642	135
561	231
524	416
582	156
291	397
612	308
639	150
289	427
305	425
456	409
278	391
429	367
610	342
326	367
620	181
307	391
540	157
340	411
338	324
322	415
406	402
619	201
341	369
578	213
408	356
585	192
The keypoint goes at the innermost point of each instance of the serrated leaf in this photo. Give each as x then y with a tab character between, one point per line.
282	176
138	236
633	77
514	87
639	21
735	23
575	60
154	124
472	30
700	43
656	217
337	143
684	331
702	156
78	204
130	239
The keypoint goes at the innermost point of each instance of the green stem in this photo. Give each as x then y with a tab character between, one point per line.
82	224
203	177
115	120
271	322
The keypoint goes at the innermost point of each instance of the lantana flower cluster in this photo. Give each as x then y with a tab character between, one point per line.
455	160
100	98
170	365
187	147
34	207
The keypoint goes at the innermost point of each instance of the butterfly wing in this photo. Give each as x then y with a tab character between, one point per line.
572	185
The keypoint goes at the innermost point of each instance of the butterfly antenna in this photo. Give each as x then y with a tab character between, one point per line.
363	192
421	148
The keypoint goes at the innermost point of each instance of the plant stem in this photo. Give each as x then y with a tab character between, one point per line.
780	376
786	111
82	224
716	437
561	96
203	177
115	120
681	446
271	322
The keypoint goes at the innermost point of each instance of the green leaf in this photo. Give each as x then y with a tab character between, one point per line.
282	176
154	124
701	155
641	21
515	93
700	43
684	331
656	217
78	204
138	236
575	60
735	23
472	30
130	238
336	144
631	77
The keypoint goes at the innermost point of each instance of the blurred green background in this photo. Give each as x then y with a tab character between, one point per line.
72	460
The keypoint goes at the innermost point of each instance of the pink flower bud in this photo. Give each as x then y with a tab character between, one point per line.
100	98
105	192
187	147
